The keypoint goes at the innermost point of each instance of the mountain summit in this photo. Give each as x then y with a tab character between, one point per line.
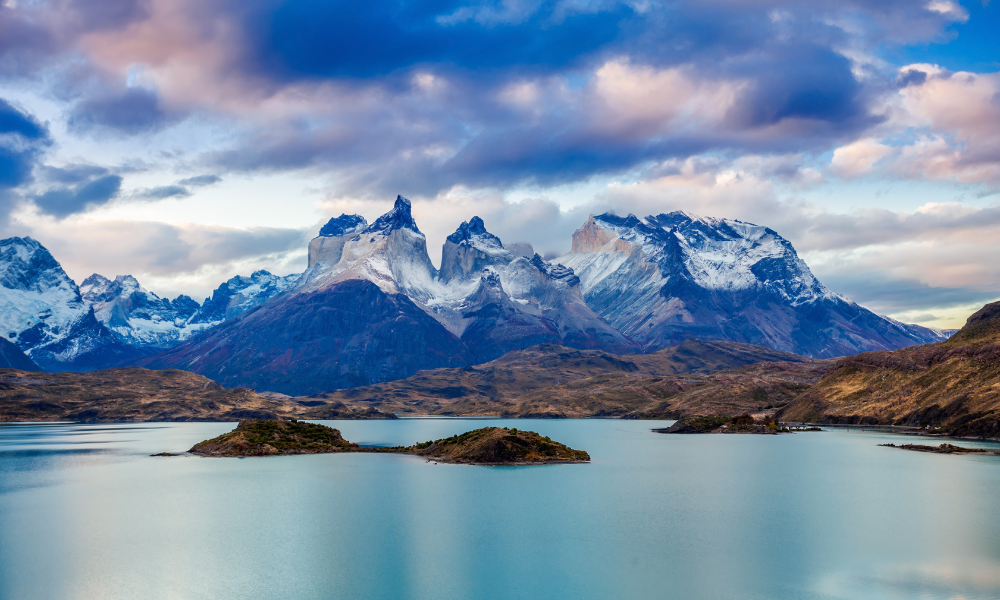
670	277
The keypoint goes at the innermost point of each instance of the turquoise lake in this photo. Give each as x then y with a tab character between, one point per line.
85	513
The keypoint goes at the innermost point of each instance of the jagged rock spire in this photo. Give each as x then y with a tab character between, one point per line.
397	218
474	230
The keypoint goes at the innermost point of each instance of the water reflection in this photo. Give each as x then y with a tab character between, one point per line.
85	512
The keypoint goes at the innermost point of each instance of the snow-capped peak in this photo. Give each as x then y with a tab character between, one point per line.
397	218
343	225
713	253
473	233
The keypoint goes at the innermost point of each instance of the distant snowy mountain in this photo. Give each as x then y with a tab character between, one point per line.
149	323
532	301
44	314
372	307
137	316
674	276
240	294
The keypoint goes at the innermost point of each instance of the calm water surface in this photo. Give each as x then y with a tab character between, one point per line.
85	513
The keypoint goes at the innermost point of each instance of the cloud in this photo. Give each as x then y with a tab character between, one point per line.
858	158
22	141
200	180
60	202
382	93
720	107
161	192
134	110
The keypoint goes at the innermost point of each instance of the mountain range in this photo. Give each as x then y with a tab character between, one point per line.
372	307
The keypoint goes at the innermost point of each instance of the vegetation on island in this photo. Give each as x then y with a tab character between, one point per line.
499	446
943	449
486	446
257	437
719	424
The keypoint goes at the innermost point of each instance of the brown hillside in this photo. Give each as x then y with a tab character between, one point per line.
952	387
497	387
136	394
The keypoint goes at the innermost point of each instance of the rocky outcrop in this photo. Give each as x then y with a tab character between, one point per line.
255	437
500	446
491	446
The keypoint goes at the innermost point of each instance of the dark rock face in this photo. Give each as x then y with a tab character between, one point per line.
11	357
347	335
343	225
499	326
398	218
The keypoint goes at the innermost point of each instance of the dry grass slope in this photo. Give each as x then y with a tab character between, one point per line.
137	394
952	387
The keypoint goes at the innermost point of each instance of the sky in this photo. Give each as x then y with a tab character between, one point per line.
184	142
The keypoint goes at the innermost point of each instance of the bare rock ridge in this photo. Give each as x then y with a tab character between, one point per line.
135	394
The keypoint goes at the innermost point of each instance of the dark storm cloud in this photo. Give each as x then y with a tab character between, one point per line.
22	140
133	111
351	39
61	202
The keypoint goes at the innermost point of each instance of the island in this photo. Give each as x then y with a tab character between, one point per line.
493	446
943	449
740	424
273	437
499	446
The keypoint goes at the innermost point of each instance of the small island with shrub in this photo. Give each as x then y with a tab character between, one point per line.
740	424
495	446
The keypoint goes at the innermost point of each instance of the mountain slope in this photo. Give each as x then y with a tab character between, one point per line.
11	357
137	316
952	386
675	276
349	334
496	387
44	314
